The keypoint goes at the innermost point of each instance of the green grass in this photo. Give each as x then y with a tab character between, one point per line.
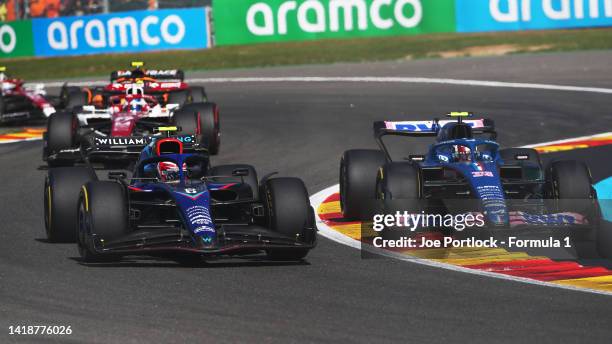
312	52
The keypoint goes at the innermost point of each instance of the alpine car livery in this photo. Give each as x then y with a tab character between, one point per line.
465	171
119	131
20	102
175	203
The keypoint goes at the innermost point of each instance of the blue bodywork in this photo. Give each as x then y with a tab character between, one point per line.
479	167
192	196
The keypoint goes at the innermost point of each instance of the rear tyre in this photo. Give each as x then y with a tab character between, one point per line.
74	98
61	134
358	169
289	213
209	126
398	185
1	107
198	94
570	185
179	97
226	170
187	121
102	216
61	196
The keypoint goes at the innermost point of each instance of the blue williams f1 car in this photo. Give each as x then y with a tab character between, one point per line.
465	171
175	203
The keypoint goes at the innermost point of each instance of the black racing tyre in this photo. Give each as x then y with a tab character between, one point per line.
61	132
226	170
61	196
179	97
75	98
509	155
64	91
287	208
358	169
187	121
398	185
1	106
102	215
604	238
570	184
198	94
210	129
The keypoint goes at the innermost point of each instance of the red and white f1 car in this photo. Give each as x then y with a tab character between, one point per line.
120	131
20	101
167	86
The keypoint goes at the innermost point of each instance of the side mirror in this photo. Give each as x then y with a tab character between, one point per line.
240	172
117	175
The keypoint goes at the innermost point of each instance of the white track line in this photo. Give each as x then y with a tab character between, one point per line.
581	138
336	236
372	79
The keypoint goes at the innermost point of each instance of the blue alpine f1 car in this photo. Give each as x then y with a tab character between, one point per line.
465	171
175	203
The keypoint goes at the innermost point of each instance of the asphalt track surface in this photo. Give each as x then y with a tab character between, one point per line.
301	129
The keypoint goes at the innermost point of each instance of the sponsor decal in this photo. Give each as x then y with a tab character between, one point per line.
16	39
425	126
497	15
561	219
199	217
190	193
250	21
120	141
477	174
121	32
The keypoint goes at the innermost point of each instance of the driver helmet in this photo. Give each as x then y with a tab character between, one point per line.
136	89
168	172
461	153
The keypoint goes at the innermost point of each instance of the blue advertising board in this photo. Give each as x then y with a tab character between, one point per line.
505	15
122	32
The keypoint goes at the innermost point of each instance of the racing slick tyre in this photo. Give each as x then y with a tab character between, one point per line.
198	94
207	115
74	97
103	216
1	108
187	121
226	171
398	186
570	185
61	134
61	196
358	169
604	238
179	97
510	155
287	208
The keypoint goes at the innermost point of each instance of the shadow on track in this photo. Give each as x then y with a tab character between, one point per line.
149	262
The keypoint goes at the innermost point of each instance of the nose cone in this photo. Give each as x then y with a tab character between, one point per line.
487	186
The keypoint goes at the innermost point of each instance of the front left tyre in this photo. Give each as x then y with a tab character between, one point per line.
61	196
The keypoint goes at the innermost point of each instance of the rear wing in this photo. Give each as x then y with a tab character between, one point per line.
428	128
159	74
